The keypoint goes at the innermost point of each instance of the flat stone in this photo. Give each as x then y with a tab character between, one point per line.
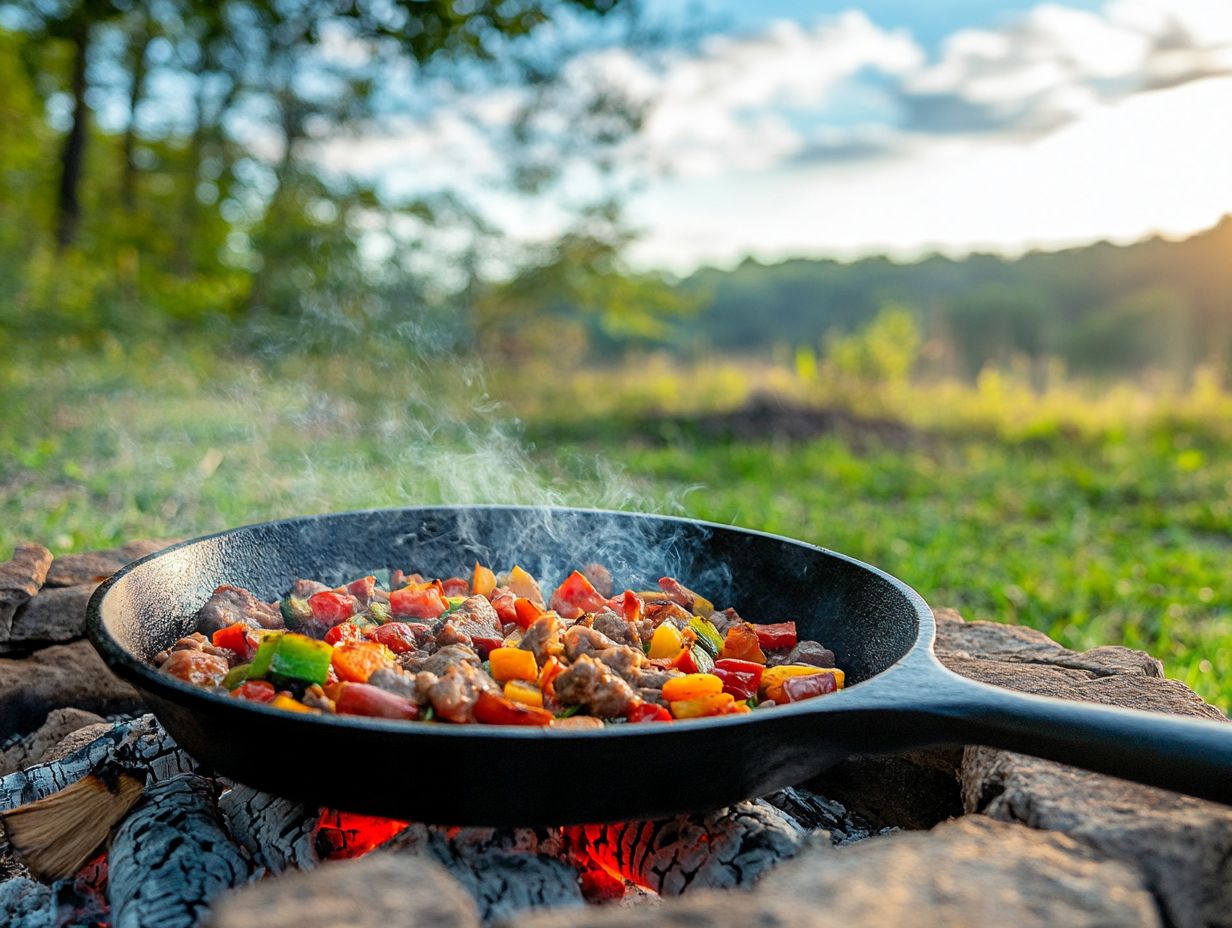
75	741
56	677
380	890
97	566
55	615
972	871
1181	846
20	578
33	748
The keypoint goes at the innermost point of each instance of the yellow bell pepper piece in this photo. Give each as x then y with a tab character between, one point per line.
692	686
702	606
773	678
666	642
483	581
526	693
513	664
283	701
524	585
714	704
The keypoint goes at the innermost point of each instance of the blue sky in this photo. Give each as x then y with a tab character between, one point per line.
829	129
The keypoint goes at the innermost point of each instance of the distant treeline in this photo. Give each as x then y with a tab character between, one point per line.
1102	309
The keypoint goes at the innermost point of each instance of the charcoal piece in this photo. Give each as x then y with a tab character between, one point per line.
500	880
55	677
171	857
139	745
52	617
277	833
813	812
732	846
20	578
26	904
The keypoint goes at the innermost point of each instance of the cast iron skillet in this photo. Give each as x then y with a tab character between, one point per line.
880	629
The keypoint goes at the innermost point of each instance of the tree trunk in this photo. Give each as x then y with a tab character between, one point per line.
128	182
72	155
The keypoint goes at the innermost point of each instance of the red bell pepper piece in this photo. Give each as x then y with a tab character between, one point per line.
254	691
417	604
344	631
575	596
497	710
485	643
742	644
526	612
776	637
330	607
740	678
503	602
372	701
399	637
692	659
628	605
456	586
815	684
362	588
237	638
648	712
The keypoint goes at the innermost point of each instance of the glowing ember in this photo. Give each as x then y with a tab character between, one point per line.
344	835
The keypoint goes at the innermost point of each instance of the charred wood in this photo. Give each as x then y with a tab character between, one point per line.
278	834
812	812
172	856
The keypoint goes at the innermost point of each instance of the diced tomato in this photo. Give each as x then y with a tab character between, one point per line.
503	602
525	612
254	691
740	678
372	701
399	637
485	643
628	605
417	604
741	643
497	710
237	638
362	588
817	684
330	606
344	631
456	586
575	596
776	637
356	661
647	712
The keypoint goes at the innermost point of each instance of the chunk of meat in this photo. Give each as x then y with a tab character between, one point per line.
302	589
197	642
475	624
600	578
653	695
593	685
454	694
579	640
543	638
618	628
723	619
230	604
810	652
444	658
622	660
395	680
413	661
196	667
655	614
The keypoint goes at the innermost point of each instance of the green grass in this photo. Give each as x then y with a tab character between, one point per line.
1117	534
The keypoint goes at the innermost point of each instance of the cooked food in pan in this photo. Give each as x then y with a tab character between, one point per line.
493	650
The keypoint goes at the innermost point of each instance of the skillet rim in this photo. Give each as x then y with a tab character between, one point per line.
866	694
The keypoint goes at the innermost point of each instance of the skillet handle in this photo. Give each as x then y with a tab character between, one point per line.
1186	755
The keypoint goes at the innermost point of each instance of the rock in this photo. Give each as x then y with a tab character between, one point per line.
55	677
53	616
1181	846
20	578
973	871
33	748
381	890
96	566
75	741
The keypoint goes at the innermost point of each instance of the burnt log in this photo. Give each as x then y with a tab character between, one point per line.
26	903
56	677
20	578
172	857
277	834
137	745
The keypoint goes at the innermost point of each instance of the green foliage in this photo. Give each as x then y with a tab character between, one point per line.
882	352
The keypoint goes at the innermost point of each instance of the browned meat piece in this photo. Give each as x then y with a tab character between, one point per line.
395	680
543	638
413	661
509	628
230	604
453	695
315	698
651	694
451	636
656	613
424	682
810	652
653	678
474	619
512	639
444	658
302	589
196	667
724	619
622	660
197	642
595	687
599	578
680	594
618	628
580	640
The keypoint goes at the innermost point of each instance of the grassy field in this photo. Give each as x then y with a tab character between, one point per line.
1098	517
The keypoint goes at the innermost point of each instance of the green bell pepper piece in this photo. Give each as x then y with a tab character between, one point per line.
264	657
301	658
235	676
379	612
